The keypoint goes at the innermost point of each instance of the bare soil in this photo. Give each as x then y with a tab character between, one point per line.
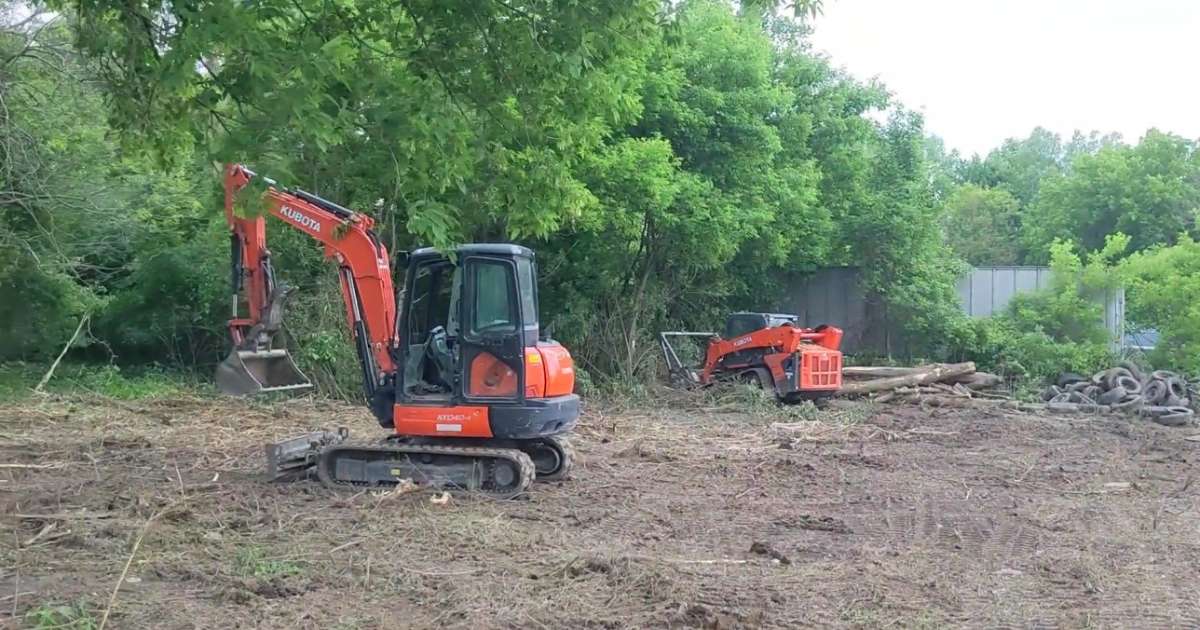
871	516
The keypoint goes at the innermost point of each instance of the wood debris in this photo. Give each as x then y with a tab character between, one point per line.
935	384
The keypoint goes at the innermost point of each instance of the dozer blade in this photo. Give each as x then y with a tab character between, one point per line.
246	372
293	459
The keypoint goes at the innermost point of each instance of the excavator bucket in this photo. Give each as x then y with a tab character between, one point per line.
246	372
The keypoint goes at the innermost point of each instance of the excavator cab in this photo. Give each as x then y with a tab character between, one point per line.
468	321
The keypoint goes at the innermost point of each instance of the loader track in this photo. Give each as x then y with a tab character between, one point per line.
502	473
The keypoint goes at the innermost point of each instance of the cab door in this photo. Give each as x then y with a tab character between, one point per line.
491	340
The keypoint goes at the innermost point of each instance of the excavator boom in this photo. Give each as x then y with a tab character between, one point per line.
364	270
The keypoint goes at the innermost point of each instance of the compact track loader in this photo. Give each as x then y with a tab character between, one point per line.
767	350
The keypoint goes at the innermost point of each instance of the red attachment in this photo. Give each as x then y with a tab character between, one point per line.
820	368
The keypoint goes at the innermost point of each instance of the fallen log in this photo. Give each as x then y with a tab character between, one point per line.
928	374
874	371
977	380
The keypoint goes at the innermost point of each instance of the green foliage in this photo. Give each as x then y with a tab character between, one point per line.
17	380
1018	347
1019	166
173	303
1162	285
253	562
452	118
752	161
1149	191
982	225
90	230
896	232
323	347
1059	329
70	616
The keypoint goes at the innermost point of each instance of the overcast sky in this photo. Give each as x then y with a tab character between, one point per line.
985	70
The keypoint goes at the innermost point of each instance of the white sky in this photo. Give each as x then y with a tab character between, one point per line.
985	70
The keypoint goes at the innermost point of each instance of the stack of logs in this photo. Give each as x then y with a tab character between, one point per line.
937	380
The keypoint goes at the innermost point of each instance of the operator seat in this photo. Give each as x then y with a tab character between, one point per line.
437	349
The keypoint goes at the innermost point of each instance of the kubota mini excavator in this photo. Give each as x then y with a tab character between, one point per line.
477	399
767	350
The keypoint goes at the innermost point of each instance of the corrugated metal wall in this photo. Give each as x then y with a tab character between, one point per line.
985	291
835	296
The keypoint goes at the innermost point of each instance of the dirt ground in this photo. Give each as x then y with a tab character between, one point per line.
871	516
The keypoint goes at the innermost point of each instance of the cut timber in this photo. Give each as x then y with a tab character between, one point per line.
871	371
926	375
977	380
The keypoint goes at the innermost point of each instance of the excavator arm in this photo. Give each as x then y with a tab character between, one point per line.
364	271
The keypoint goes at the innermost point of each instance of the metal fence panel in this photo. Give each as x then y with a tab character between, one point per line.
986	291
835	296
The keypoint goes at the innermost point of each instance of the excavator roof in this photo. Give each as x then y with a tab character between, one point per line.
501	249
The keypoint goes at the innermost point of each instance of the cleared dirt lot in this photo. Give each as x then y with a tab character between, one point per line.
889	516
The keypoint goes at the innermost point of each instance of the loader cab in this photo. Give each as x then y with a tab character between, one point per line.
464	323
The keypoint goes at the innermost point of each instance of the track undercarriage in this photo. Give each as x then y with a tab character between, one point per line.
496	468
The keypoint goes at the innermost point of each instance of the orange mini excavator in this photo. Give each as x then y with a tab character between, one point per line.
476	397
767	350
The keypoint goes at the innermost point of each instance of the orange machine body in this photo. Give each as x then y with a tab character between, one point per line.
549	372
796	362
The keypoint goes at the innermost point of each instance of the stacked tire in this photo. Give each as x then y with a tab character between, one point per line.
1161	396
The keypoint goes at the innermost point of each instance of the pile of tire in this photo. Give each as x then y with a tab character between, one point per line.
1161	396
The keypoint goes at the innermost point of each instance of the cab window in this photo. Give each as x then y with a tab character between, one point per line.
494	306
431	300
527	281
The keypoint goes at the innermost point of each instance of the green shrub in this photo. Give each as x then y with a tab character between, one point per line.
323	346
18	379
75	615
1003	346
40	305
1162	285
173	305
1059	329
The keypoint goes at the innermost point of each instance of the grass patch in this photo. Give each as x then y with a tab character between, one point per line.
254	562
18	379
76	616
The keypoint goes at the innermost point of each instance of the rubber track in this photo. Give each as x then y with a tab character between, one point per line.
568	455
523	462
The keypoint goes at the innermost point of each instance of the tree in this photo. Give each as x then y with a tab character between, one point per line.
1019	166
1162	283
982	225
693	181
1149	191
455	118
85	226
